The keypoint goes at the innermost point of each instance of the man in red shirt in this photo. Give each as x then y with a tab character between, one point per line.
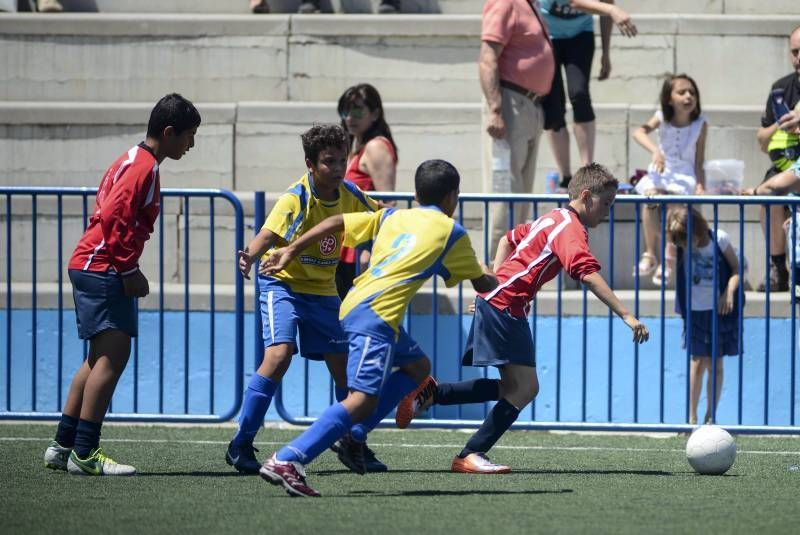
516	67
528	256
106	282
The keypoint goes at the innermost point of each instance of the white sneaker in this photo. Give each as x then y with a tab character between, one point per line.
97	464
55	456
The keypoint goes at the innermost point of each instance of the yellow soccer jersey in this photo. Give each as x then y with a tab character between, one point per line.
298	210
409	246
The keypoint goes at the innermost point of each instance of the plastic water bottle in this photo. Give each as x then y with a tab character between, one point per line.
551	182
501	166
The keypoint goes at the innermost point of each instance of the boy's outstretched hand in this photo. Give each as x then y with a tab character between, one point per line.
275	262
640	333
244	263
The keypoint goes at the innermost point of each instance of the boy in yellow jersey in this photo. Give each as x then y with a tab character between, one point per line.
301	297
409	247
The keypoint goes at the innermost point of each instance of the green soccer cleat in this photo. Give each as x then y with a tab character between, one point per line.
97	464
55	456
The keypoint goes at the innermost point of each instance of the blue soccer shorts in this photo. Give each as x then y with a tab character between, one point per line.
101	304
497	338
285	314
371	357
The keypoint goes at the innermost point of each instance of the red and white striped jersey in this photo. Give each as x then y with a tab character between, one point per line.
127	207
540	250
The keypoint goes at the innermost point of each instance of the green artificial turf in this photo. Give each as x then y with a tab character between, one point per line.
567	483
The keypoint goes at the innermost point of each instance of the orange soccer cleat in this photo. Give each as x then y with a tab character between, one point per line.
414	403
478	463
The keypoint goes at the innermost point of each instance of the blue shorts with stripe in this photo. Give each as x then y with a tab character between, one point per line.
285	314
497	338
372	356
101	304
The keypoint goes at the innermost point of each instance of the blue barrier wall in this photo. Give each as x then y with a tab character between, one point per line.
299	401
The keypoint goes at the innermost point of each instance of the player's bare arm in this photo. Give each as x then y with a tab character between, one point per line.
259	245
280	258
504	250
597	285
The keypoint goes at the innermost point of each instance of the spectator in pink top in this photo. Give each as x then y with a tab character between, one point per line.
516	68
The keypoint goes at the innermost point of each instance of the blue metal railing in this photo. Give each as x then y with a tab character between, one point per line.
210	367
619	403
661	413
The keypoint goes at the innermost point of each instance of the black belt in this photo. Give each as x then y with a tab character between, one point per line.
521	90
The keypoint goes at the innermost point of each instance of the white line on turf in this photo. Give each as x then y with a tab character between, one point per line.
389	445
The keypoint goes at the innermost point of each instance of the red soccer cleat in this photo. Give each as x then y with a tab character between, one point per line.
289	475
477	463
415	403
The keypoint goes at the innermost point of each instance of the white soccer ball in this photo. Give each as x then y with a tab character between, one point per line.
711	450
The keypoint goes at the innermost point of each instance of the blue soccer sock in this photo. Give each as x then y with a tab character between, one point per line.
397	386
65	434
329	427
340	393
87	437
474	391
497	422
257	398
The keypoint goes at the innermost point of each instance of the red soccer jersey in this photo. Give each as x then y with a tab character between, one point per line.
541	249
127	206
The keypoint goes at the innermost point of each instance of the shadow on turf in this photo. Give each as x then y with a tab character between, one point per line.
191	474
455	492
324	473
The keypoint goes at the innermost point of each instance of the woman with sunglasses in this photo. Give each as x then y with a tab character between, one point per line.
372	159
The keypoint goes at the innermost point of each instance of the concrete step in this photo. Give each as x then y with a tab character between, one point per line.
447	302
277	6
711	7
412	58
255	145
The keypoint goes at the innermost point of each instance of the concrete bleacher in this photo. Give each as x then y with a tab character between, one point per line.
75	89
231	58
713	7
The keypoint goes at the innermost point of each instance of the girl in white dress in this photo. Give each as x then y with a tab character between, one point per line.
676	167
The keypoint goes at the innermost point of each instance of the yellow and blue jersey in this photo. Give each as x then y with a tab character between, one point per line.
408	247
298	210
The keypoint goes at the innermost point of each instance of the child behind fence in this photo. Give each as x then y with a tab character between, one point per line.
705	301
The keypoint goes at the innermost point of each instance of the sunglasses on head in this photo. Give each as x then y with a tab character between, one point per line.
355	112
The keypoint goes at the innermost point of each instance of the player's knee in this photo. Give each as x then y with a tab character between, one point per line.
360	405
527	393
276	361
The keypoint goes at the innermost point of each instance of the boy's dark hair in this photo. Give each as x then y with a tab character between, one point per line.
370	97
434	180
594	177
320	137
172	110
666	96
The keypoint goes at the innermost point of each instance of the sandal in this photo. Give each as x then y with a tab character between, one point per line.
663	275
647	265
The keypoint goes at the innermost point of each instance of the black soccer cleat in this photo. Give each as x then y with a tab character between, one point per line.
243	458
351	453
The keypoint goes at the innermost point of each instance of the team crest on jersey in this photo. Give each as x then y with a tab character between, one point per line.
327	245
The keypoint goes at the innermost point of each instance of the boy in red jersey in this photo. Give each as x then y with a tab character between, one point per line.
106	282
527	257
